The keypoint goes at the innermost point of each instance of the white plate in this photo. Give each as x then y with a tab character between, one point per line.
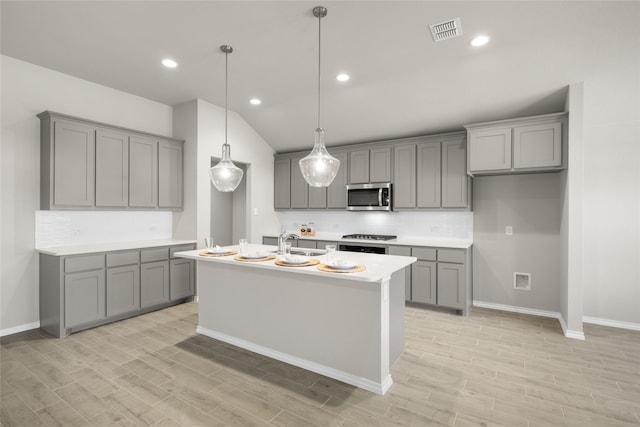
342	265
217	250
254	255
295	259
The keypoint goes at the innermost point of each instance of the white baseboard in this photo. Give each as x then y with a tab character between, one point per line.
379	388
19	328
535	312
611	323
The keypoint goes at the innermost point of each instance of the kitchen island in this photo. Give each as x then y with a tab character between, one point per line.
347	326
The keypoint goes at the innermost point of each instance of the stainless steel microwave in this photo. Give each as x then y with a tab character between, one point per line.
369	197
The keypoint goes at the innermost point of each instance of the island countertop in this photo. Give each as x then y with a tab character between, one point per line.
377	266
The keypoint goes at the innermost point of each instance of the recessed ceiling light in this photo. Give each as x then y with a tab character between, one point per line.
479	41
342	77
169	63
255	101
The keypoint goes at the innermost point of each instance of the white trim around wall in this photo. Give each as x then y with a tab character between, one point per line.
19	328
534	312
611	323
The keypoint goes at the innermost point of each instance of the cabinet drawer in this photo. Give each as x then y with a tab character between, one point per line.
428	254
180	248
451	255
308	244
83	263
122	258
148	255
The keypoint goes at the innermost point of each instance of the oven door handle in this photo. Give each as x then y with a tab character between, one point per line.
379	196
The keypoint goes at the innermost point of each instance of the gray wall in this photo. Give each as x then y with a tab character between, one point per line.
532	205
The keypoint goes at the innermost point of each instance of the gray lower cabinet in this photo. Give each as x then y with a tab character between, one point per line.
308	244
84	297
182	278
403	251
266	240
441	276
123	289
82	291
423	285
154	283
451	287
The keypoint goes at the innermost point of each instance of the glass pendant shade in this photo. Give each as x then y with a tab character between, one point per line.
226	176
319	168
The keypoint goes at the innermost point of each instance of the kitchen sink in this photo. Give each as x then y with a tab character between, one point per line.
305	251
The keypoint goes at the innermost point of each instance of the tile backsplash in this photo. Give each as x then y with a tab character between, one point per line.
435	225
68	228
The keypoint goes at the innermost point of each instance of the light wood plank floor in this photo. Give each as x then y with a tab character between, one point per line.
490	369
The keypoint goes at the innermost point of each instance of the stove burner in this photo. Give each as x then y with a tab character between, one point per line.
369	236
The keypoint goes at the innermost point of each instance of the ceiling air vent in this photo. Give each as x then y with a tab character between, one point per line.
446	30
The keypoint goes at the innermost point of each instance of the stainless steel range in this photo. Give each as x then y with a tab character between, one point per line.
375	248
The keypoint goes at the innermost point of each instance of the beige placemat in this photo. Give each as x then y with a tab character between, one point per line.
241	258
306	264
205	253
356	269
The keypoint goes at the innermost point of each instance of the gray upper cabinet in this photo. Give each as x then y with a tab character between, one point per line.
359	167
370	165
143	172
337	190
428	174
88	165
170	174
112	168
67	159
526	145
317	197
404	176
282	183
490	150
431	173
455	182
537	146
299	187
380	164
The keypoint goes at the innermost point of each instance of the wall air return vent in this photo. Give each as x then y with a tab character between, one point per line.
522	281
446	30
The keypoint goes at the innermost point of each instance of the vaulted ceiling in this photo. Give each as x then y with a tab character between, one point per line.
402	82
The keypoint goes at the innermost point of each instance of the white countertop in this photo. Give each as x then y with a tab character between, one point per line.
108	247
400	241
377	266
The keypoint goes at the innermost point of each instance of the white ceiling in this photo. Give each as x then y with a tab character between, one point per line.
402	83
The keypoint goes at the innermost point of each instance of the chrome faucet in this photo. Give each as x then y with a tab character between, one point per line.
281	239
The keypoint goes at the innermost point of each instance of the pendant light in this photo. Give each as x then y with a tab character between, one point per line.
319	168
226	176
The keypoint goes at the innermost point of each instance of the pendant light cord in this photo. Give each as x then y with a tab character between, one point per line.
319	40
226	91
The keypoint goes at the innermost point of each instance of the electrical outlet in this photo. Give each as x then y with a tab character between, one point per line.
508	230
